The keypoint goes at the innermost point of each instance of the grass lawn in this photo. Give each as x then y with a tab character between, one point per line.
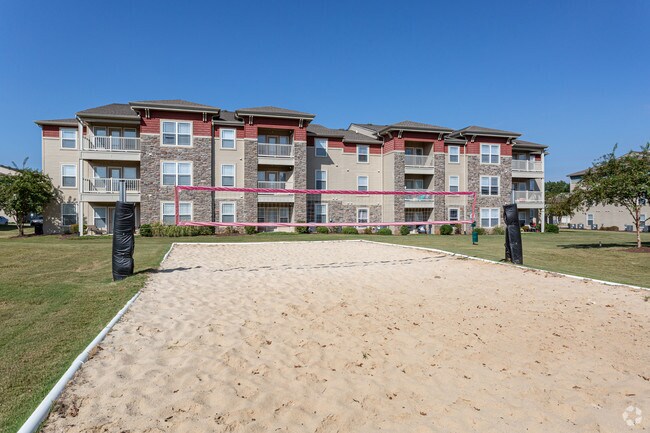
56	294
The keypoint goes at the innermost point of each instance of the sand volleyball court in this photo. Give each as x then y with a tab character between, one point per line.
361	337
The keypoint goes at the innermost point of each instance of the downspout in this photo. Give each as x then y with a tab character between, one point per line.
212	174
80	128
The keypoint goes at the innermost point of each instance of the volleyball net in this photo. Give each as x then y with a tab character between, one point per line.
285	207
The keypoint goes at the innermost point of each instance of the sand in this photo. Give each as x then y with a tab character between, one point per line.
360	337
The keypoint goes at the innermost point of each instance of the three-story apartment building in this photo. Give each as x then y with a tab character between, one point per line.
154	145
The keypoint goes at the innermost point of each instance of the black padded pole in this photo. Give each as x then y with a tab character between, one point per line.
514	248
123	240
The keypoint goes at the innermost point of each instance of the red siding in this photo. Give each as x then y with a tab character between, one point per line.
199	127
461	149
393	144
299	134
239	131
50	131
475	147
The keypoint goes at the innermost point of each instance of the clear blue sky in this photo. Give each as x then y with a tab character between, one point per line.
571	74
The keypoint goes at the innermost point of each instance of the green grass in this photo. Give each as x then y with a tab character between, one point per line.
56	293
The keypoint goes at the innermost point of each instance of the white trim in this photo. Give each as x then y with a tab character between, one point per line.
367	213
327	211
76	213
326	147
234	210
480	186
480	217
176	122
162	174
450	154
173	214
76	176
593	219
367	154
480	152
367	183
234	174
234	138
457	209
76	138
457	183
316	179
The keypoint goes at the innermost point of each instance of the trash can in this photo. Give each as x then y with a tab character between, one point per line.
38	229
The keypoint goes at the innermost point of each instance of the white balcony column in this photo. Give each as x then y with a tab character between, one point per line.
543	210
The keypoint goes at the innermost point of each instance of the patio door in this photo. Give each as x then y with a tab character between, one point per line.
116	138
114	175
99	179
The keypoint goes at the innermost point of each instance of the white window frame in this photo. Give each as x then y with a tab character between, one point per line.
324	206
76	214
234	211
74	166
61	130
491	153
359	183
176	174
317	148
234	138
593	219
457	213
642	218
457	154
234	175
173	214
451	185
489	194
359	209
490	216
366	154
176	133
316	179
104	218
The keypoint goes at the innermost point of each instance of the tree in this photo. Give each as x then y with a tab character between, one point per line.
557	201
554	188
622	181
26	191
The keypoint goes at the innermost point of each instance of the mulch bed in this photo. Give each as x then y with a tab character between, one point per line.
638	250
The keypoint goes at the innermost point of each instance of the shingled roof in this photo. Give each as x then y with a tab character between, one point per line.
480	130
410	125
57	122
274	112
346	135
529	144
175	105
110	110
227	118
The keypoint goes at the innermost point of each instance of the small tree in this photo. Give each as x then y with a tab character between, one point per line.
26	191
623	181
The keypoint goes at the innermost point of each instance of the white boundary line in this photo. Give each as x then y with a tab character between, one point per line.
43	409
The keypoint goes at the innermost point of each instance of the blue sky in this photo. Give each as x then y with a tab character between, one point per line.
570	74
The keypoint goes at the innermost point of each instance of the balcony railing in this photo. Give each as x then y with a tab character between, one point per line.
420	198
527	197
418	160
271	184
521	165
110	186
275	150
112	144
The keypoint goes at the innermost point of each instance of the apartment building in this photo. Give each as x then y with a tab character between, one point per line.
154	145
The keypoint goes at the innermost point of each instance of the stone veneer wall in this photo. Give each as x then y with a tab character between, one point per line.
399	185
249	206
300	180
475	170
152	191
439	177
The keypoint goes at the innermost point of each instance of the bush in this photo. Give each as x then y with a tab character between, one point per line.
250	230
367	231
384	232
301	229
322	230
74	229
160	230
498	230
446	229
552	228
479	230
350	231
336	229
145	230
404	230
457	229
607	229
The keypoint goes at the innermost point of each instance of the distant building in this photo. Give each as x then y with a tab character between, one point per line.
6	170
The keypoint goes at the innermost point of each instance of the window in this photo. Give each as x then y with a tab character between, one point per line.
320	212
453	184
176	133
414	184
227	175
489	153
176	173
453	214
68	138
362	215
68	214
489	185
362	183
227	138
454	154
184	212
321	146
489	217
362	153
273	214
642	219
100	218
69	176
227	214
321	179
590	219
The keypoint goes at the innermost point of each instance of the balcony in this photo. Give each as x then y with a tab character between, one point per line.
526	168
107	190
111	148
275	154
418	164
419	201
528	199
269	197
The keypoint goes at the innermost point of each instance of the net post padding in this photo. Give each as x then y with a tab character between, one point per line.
180	188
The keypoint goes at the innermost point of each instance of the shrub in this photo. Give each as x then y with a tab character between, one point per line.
74	229
367	231
384	232
457	229
608	229
552	228
145	230
446	229
250	230
404	230
498	230
479	230
350	231
322	230
301	229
